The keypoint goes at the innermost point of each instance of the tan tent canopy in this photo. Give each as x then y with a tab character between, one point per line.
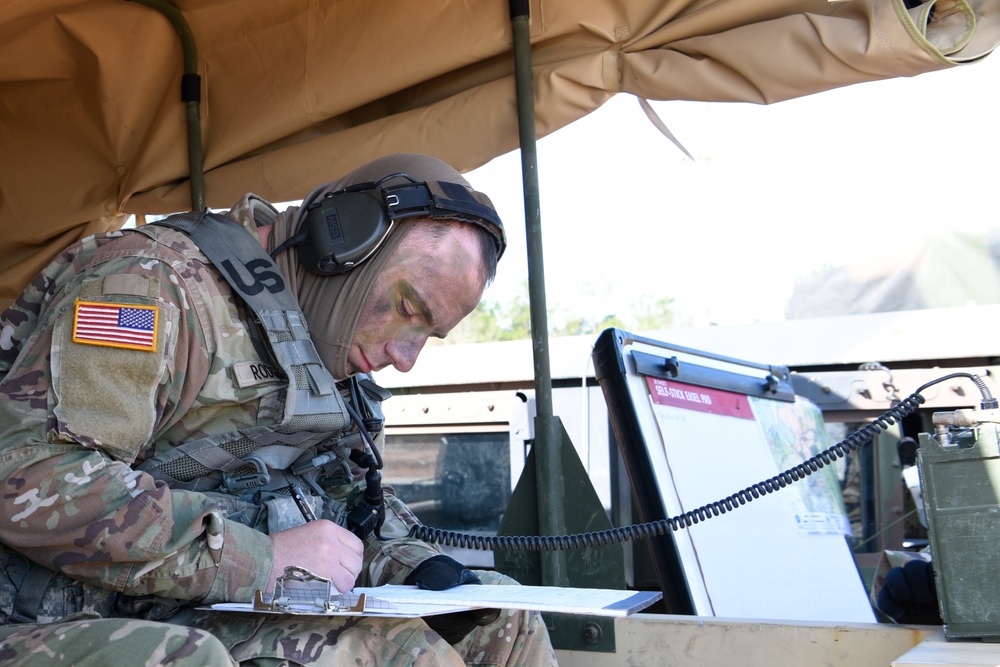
297	92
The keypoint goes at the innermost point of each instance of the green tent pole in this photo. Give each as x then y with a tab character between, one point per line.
548	429
191	96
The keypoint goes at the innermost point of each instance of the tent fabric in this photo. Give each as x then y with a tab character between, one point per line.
299	92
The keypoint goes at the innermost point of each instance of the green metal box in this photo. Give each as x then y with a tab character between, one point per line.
960	479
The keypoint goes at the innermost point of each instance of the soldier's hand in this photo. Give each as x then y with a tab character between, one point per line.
440	573
323	548
909	595
456	626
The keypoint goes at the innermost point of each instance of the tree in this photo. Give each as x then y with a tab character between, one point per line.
495	321
651	313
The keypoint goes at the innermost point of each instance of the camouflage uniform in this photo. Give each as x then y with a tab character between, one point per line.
78	416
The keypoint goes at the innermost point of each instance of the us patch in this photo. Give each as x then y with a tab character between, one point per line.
122	325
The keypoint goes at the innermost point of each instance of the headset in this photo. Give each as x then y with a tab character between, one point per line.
345	228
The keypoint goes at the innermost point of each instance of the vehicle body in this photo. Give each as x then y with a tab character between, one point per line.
853	367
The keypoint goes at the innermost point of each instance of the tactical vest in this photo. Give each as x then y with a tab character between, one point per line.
317	433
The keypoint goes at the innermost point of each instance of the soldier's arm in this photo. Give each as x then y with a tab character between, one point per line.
74	416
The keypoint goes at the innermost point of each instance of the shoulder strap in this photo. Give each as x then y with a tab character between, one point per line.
30	581
314	408
257	279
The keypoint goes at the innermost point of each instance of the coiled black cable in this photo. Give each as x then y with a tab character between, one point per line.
853	442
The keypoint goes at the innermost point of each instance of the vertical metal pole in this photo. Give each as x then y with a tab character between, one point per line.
548	429
191	96
532	206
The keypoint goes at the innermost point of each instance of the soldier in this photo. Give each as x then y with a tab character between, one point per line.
160	399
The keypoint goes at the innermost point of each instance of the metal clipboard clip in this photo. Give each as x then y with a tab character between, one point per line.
299	590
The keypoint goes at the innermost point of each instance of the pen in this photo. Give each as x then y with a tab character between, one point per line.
300	501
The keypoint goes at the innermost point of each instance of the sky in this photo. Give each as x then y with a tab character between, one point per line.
775	192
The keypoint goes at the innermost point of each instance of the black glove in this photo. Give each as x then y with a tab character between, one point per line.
441	573
454	627
909	595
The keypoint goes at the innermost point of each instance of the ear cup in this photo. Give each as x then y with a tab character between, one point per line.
342	230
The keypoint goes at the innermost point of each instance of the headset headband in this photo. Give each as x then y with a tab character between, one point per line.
443	200
345	228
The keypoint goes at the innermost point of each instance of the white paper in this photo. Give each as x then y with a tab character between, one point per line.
410	601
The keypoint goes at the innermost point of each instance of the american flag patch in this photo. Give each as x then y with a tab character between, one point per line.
115	325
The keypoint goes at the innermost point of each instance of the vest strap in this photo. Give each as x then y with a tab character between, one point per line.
314	411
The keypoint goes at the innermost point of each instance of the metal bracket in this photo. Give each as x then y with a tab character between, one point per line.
578	632
306	589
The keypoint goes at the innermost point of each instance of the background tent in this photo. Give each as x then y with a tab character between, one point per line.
297	92
946	271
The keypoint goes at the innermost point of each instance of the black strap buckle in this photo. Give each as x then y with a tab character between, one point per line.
248	480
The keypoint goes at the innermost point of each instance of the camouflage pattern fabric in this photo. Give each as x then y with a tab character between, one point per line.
77	414
113	641
515	638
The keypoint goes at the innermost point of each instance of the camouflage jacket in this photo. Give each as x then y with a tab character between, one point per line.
82	401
